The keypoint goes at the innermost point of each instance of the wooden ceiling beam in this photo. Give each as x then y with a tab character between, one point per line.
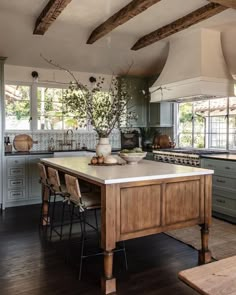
182	23
129	11
226	3
49	14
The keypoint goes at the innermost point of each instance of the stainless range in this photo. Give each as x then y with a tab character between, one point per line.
181	156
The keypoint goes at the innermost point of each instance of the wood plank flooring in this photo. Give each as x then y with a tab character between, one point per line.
29	266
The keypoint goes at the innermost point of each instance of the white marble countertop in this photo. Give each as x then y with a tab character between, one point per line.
229	157
144	170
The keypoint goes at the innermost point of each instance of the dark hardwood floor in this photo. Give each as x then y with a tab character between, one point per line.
30	266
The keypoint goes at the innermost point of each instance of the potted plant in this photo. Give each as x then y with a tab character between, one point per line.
103	109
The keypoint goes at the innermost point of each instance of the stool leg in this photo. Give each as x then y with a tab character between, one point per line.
62	219
125	256
71	219
52	219
96	218
82	243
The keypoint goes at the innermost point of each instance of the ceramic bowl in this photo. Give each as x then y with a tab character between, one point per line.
133	158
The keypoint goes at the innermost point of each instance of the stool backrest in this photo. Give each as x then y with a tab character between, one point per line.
54	180
72	187
43	174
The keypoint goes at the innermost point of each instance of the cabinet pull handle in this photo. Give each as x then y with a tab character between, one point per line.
227	167
221	181
220	201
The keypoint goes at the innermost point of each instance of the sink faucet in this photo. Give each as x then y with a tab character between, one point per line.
68	141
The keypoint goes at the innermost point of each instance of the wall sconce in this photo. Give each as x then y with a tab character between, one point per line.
92	79
35	76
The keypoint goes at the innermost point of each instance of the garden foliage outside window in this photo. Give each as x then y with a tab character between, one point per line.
48	108
208	124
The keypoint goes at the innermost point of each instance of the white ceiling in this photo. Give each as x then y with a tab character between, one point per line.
65	41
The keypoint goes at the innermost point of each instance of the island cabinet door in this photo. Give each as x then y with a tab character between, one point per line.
149	207
140	210
183	201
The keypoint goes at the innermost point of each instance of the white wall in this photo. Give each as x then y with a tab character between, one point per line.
23	74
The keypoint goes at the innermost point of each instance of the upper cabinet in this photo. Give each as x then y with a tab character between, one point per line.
137	89
149	114
160	114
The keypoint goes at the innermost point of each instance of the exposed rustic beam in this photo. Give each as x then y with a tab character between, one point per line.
49	14
226	3
134	8
182	23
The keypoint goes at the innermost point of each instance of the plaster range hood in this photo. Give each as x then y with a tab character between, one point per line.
195	69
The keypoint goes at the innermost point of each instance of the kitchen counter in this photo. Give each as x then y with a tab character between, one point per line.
143	199
144	170
15	153
229	157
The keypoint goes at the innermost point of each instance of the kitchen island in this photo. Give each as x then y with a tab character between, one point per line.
144	199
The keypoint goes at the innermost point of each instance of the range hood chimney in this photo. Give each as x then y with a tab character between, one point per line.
195	69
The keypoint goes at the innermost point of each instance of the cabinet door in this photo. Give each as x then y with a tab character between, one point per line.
160	114
137	89
15	180
33	172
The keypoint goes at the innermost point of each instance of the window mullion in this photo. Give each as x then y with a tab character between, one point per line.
193	125
34	114
227	126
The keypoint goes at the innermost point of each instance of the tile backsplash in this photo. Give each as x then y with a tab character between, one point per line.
88	139
58	139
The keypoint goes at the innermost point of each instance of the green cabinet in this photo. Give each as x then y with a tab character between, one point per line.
148	114
160	114
223	187
21	181
137	89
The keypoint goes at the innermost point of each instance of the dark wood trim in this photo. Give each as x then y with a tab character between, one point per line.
49	14
180	24
226	3
134	8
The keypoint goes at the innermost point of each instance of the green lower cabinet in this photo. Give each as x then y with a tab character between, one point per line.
224	188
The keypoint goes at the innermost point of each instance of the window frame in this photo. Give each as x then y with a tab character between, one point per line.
34	108
207	127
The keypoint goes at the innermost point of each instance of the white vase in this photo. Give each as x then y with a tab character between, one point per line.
103	147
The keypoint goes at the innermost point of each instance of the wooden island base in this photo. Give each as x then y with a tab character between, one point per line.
132	209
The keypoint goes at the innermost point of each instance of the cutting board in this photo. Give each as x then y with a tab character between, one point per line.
23	142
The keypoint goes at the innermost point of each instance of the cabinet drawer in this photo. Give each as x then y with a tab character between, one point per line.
224	205
16	195
19	182
224	182
14	162
16	171
220	166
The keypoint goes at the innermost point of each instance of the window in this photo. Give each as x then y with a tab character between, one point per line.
36	108
17	107
209	124
51	111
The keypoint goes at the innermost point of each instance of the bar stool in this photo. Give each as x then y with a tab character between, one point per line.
84	202
60	194
46	196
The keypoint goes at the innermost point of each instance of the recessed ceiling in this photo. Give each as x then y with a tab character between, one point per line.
65	40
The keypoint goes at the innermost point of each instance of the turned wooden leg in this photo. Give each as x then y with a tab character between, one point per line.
108	282
204	253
